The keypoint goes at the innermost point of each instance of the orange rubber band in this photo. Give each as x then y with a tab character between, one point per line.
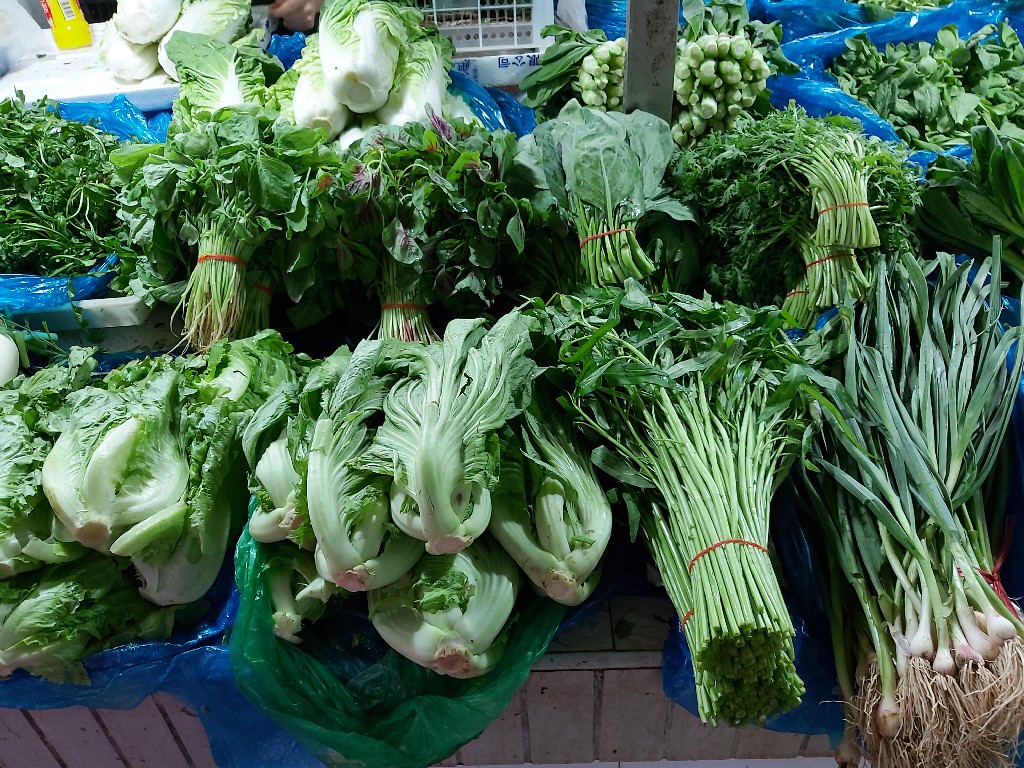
686	618
844	205
713	547
261	287
830	257
403	306
794	293
222	257
586	240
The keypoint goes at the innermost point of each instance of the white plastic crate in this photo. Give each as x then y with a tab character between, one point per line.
491	27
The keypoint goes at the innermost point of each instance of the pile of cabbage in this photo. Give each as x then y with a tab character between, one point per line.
372	63
121	496
134	44
426	475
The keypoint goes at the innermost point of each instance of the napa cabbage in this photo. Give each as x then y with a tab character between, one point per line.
360	44
223	20
125	60
145	21
439	439
421	83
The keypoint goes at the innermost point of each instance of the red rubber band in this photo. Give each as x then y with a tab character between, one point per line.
844	205
261	287
586	240
830	257
686	618
794	293
713	547
993	578
403	306
222	257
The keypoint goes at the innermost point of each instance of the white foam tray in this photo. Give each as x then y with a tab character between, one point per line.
115	312
77	75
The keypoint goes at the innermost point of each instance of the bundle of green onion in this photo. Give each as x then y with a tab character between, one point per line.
914	435
703	404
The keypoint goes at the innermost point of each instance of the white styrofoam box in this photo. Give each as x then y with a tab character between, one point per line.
116	312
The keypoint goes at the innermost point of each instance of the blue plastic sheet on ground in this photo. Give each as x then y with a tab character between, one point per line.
23	293
287	48
479	100
520	119
159	122
120	678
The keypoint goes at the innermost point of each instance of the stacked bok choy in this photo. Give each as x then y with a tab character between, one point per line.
107	483
388	470
928	645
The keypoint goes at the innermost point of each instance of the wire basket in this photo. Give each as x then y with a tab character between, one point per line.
98	11
488	27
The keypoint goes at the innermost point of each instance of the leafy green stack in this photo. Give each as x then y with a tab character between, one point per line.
928	644
935	93
964	205
137	472
427	217
699	409
602	175
385	466
58	202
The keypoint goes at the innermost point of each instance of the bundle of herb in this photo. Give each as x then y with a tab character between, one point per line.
964	205
935	93
701	407
204	205
928	646
789	204
602	173
58	201
428	218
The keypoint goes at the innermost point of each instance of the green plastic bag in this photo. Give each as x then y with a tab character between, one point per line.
355	703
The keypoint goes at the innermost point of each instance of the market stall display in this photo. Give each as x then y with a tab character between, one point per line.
432	376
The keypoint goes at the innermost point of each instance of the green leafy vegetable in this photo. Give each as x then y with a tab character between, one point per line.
49	623
58	200
699	409
602	172
935	93
787	203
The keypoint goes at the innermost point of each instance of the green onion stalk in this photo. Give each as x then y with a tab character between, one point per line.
215	295
838	182
404	314
706	405
903	498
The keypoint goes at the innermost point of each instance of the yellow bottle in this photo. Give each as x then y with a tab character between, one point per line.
69	27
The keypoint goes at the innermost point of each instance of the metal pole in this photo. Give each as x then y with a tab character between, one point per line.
652	27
